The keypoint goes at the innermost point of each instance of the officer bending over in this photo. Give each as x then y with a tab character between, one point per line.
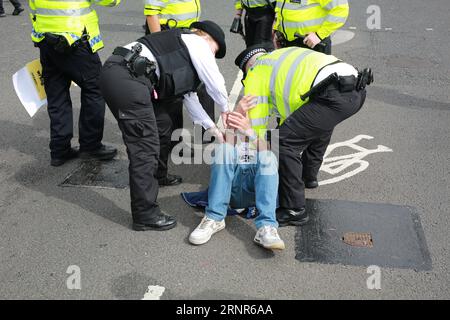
311	92
160	67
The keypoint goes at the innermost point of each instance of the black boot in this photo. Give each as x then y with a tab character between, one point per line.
170	180
102	153
17	11
71	154
287	217
311	184
161	222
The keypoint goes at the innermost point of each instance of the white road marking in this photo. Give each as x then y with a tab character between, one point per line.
429	29
388	29
154	293
342	36
337	165
352	28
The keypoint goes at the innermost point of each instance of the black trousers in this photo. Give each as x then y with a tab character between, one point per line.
310	125
59	70
15	3
169	116
258	25
129	100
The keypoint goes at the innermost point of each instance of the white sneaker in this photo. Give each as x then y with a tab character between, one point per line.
205	230
267	237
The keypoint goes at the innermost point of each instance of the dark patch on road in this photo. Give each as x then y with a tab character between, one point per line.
131	286
398	240
100	174
395	98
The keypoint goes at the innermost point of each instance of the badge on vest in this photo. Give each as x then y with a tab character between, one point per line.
304	2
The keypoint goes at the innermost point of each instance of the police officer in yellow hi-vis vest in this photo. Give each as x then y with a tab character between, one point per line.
309	23
68	37
164	15
311	92
258	21
168	14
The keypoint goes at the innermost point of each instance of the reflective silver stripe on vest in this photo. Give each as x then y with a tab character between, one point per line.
265	62
296	6
303	24
335	19
163	4
64	12
334	3
289	79
179	17
275	70
69	1
254	3
259	121
262	100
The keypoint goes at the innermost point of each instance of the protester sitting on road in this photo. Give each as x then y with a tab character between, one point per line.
160	67
243	175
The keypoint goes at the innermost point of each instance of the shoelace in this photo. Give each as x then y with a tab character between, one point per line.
205	223
271	230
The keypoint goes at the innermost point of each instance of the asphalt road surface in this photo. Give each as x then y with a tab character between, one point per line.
45	229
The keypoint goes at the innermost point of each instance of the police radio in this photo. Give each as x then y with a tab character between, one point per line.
137	64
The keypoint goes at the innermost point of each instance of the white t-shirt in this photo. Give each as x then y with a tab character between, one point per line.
205	64
341	68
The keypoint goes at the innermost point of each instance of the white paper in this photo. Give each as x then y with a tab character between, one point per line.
26	91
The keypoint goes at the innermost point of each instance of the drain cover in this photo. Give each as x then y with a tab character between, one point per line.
358	239
99	174
362	234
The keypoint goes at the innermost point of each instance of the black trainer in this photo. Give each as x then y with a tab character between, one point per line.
170	180
2	15
71	154
102	153
161	223
311	184
17	11
287	217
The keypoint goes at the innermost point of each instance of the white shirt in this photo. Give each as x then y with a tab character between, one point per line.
205	64
341	68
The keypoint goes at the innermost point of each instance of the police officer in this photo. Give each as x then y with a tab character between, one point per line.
161	66
258	21
17	8
311	92
309	23
68	37
164	15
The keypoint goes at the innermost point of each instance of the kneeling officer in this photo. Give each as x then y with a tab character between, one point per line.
159	67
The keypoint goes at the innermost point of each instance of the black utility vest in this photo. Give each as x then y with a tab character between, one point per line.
177	73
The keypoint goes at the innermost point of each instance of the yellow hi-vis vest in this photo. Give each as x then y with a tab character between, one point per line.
251	3
68	18
278	79
304	16
174	13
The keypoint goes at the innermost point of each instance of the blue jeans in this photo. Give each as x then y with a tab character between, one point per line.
243	185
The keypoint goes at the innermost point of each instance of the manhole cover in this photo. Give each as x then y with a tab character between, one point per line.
363	234
358	239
